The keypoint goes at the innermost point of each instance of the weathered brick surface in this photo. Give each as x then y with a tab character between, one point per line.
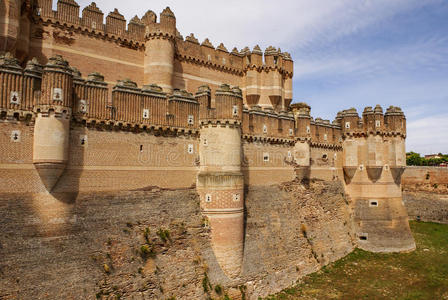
57	248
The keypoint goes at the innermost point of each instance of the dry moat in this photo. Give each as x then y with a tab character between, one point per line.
421	274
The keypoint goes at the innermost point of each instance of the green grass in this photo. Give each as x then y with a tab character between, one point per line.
422	274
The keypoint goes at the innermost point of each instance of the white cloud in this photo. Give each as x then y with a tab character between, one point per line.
428	135
288	24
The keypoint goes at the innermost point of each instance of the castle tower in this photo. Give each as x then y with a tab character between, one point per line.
15	27
52	128
302	152
274	78
253	60
160	49
220	182
381	220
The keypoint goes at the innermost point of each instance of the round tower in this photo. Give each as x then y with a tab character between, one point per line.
160	49
220	182
52	127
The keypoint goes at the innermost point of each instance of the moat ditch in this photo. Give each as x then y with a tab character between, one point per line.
421	274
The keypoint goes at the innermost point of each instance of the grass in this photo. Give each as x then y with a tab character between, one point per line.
422	274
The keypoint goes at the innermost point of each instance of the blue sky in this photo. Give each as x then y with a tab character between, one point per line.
347	53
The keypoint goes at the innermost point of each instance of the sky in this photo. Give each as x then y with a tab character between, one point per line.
347	53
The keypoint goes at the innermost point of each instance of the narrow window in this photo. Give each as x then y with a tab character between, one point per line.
205	142
291	131
289	154
325	137
223	61
190	149
39	11
275	60
235	110
15	99
82	106
209	57
57	94
15	136
265	157
190	119
347	125
363	237
361	167
94	25
145	113
141	148
377	123
265	129
208	198
308	129
83	140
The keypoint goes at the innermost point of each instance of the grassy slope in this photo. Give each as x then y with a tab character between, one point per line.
422	274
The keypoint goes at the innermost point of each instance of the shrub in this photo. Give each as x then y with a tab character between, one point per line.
218	289
164	235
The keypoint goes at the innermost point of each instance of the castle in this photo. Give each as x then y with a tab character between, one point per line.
87	106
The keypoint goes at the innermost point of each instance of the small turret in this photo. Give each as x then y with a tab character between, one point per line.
52	127
159	49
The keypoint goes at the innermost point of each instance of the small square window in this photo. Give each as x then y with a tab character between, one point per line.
208	198
236	197
235	110
14	98
265	129
190	119
16	136
373	203
363	236
57	94
145	113
190	149
265	157
347	125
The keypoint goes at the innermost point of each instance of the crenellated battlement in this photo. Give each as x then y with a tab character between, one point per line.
372	122
147	107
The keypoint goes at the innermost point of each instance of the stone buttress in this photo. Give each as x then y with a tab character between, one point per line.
220	182
373	161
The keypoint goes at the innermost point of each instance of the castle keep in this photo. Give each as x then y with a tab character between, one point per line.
87	106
